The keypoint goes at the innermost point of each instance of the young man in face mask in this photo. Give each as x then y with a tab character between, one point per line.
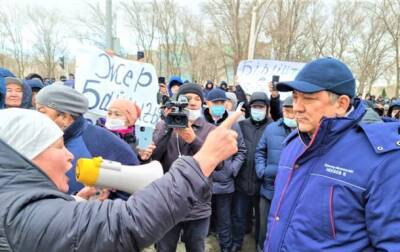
170	145
267	157
66	106
216	112
223	179
246	196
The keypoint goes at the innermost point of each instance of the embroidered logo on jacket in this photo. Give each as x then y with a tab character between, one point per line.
337	170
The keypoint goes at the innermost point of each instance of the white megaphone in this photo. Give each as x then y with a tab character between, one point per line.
103	173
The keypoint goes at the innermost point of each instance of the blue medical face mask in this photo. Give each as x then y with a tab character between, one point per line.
217	110
258	114
291	123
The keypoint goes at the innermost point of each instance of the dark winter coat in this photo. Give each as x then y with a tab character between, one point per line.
35	216
169	146
268	154
224	178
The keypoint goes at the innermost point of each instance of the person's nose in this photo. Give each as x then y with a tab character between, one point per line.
298	105
70	156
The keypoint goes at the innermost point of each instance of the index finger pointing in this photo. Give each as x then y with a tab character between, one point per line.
232	118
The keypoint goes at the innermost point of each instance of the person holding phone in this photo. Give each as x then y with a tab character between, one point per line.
140	56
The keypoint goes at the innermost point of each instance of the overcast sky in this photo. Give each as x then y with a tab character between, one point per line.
70	9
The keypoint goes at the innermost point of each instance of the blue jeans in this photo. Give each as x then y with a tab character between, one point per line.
194	235
242	204
222	204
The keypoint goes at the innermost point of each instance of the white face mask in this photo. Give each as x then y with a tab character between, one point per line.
194	114
291	123
115	124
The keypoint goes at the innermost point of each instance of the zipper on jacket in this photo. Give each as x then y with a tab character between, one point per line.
276	214
331	213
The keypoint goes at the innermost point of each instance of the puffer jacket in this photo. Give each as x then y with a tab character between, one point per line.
224	177
174	80
170	146
339	190
267	155
3	74
247	180
35	216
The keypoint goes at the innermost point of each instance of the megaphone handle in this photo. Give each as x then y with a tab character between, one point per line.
101	194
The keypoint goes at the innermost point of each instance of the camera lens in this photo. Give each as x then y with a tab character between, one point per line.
178	120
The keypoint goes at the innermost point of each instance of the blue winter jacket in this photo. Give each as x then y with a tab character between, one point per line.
85	140
339	191
27	92
174	80
267	155
27	96
3	74
224	178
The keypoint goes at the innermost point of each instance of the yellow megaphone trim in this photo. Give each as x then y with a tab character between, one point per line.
87	170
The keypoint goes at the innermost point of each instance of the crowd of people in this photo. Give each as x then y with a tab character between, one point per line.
317	171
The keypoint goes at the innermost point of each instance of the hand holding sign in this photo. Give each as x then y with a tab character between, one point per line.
220	144
103	78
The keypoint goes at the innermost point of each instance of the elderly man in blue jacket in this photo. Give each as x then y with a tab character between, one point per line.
338	178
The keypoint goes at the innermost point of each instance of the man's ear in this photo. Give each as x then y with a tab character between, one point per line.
342	104
67	120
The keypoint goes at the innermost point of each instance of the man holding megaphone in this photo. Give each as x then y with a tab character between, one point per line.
37	215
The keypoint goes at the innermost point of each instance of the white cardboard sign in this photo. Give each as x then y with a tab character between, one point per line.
254	75
103	78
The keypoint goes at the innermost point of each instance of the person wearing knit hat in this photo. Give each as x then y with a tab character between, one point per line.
38	215
28	131
191	88
37	138
63	99
232	101
121	118
66	106
126	111
173	143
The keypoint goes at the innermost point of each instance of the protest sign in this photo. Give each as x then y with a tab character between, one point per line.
254	75
103	78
